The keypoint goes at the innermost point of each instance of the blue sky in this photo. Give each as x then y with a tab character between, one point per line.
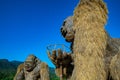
28	26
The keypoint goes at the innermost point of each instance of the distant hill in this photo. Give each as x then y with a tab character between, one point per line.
8	69
6	65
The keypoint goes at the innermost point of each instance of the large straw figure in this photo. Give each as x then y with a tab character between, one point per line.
90	40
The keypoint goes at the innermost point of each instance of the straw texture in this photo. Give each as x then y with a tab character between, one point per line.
90	40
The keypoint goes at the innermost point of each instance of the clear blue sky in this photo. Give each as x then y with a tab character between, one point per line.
28	26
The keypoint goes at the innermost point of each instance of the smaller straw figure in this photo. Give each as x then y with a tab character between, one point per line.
63	62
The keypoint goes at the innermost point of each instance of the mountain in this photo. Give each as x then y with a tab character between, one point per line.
8	69
6	65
